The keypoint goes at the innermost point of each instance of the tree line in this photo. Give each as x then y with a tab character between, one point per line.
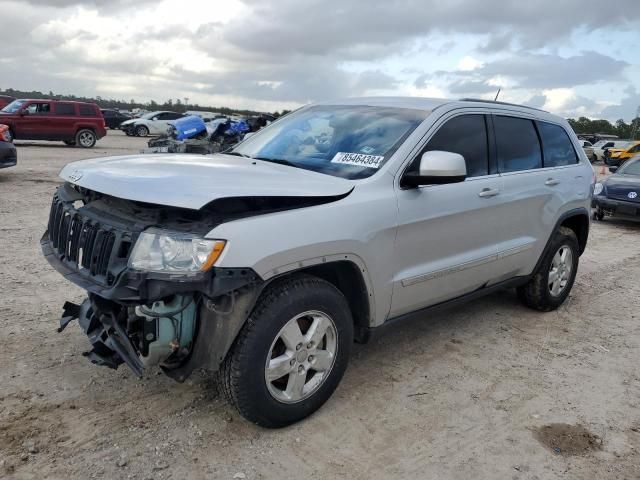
174	105
620	128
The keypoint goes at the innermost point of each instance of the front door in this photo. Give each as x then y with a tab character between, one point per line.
447	234
35	122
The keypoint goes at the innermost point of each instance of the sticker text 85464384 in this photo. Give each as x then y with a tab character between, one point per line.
358	159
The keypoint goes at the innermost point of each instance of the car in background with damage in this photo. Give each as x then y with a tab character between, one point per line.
333	224
152	123
8	152
617	156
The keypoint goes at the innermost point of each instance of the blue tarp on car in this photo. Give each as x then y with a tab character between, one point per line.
188	127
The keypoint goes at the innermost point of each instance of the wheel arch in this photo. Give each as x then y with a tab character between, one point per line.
578	221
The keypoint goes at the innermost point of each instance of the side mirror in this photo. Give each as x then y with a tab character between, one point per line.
24	112
154	119
437	168
613	169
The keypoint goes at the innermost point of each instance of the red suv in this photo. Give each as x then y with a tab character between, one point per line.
75	123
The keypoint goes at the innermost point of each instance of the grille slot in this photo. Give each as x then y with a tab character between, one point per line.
85	244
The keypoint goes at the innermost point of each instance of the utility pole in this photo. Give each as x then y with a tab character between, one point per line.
635	124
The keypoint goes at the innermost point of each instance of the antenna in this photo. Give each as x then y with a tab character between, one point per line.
496	99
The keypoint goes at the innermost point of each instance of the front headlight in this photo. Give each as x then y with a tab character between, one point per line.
157	251
597	189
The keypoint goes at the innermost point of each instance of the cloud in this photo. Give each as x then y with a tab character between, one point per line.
281	53
626	109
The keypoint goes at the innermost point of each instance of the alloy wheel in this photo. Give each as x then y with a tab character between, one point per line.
301	356
560	271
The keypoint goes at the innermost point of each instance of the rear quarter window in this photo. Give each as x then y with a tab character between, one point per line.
556	145
64	109
90	111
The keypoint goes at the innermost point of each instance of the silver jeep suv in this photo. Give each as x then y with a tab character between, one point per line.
265	263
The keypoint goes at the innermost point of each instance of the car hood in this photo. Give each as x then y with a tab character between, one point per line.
623	181
129	122
192	181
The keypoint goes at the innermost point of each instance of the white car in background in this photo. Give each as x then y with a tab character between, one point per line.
154	123
588	150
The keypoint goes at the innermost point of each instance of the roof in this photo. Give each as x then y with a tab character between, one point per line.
53	100
420	103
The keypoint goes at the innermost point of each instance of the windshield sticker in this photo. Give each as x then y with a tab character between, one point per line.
358	159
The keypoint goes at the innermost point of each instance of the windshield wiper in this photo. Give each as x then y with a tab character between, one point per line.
238	154
277	160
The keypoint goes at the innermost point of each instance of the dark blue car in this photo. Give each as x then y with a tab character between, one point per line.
619	194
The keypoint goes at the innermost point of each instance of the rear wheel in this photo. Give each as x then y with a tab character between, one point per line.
552	281
291	353
86	138
141	131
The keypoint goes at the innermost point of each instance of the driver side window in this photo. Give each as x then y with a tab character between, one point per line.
465	135
38	109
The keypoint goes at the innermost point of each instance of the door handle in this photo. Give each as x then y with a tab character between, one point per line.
488	192
551	182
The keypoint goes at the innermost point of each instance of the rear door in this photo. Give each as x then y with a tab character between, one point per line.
447	234
539	167
64	119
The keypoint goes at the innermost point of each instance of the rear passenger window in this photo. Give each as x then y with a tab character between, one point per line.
89	111
517	144
556	145
64	108
466	135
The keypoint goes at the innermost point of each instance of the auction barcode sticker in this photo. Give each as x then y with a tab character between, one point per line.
358	159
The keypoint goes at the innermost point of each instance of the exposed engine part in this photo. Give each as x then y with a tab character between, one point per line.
158	334
168	328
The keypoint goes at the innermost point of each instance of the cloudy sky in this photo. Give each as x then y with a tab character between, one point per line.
572	57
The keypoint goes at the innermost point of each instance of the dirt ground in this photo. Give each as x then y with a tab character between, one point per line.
489	390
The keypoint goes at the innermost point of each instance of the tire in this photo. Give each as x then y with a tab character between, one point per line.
141	131
86	138
538	292
598	214
70	143
296	302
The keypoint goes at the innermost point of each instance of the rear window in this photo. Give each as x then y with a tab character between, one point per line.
556	145
89	111
517	144
64	108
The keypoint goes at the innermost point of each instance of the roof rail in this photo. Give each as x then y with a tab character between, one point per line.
481	100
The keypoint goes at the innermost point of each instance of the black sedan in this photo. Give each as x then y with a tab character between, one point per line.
619	194
113	118
8	153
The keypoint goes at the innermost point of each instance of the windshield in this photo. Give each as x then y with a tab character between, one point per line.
150	115
631	167
344	141
14	106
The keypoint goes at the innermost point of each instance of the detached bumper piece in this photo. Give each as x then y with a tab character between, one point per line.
111	345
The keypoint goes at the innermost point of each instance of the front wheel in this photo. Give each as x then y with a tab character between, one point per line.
86	138
291	354
552	281
141	131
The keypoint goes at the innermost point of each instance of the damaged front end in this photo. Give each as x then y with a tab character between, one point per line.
179	321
